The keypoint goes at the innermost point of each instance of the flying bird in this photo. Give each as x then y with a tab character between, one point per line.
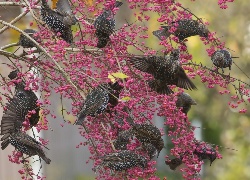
166	71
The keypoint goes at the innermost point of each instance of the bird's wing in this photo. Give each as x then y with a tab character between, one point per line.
183	80
145	64
14	116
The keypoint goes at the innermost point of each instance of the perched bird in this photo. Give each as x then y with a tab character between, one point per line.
63	7
27	145
184	28
222	59
105	25
123	160
149	134
27	43
174	163
166	71
205	151
185	101
96	103
59	21
17	109
122	139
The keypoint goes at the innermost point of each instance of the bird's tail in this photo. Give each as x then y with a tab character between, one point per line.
80	119
159	87
118	4
102	42
47	160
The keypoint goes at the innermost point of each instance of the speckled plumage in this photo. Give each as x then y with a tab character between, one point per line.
166	71
27	145
25	42
174	163
17	109
184	28
124	160
222	59
56	22
150	149
205	151
122	139
185	101
148	133
96	103
105	25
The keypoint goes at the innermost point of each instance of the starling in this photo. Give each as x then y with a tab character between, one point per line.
185	28
148	133
174	163
27	43
63	7
124	160
27	145
122	139
105	25
204	151
17	109
58	22
96	103
185	101
222	59
166	71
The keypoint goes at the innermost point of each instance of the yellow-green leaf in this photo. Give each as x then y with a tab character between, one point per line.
119	75
126	98
112	78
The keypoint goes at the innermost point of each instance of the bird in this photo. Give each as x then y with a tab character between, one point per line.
17	109
184	28
96	103
149	134
122	139
27	43
123	160
174	163
166	71
59	20
205	151
222	59
27	145
105	25
185	101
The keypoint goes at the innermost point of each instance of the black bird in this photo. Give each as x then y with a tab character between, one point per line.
59	21
222	59
27	43
205	151
185	101
149	134
17	109
123	160
105	25
150	149
122	139
96	103
185	28
174	163
27	145
166	71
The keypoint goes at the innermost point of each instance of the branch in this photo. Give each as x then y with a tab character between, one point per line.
65	75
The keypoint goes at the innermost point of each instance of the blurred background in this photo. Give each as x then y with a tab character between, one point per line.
219	123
